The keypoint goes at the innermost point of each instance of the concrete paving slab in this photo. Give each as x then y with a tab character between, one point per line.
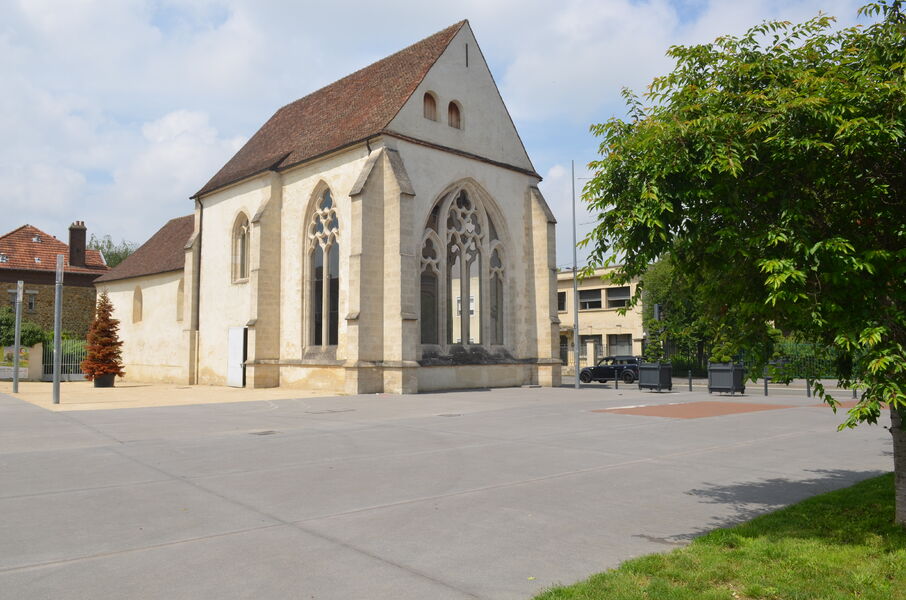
334	487
44	528
503	540
276	562
43	472
271	450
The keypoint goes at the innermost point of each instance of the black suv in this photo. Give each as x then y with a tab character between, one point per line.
611	367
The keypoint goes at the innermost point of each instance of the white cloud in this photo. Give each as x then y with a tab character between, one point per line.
115	111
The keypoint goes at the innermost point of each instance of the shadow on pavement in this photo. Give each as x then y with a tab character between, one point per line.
751	499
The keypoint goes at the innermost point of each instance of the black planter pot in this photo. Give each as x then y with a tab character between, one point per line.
726	377
105	380
656	376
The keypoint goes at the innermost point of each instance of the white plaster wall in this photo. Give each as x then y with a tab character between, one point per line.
487	128
154	348
222	303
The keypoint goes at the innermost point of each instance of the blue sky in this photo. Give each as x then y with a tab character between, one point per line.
114	112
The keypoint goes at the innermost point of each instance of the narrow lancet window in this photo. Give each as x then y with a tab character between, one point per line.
324	274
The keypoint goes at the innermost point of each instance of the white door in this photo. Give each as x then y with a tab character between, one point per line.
236	354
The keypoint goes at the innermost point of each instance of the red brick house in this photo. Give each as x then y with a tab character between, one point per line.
30	255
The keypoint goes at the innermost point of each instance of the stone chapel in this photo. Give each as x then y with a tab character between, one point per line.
382	234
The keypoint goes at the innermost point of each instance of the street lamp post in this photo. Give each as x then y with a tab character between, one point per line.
575	282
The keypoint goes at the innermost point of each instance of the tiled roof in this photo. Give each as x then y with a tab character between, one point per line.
347	111
29	248
164	252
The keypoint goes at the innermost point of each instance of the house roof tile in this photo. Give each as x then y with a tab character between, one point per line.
30	249
164	252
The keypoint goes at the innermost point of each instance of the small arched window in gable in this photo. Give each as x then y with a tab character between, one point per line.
137	305
430	104
454	115
241	239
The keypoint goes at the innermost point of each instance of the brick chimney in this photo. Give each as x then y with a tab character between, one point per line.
77	244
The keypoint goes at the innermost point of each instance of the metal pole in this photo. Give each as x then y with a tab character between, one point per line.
575	281
854	392
765	386
57	326
690	380
18	336
808	388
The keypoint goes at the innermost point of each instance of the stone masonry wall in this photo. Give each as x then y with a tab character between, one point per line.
78	307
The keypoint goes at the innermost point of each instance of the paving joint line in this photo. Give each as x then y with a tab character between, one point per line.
279	521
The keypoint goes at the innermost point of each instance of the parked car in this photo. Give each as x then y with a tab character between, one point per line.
611	367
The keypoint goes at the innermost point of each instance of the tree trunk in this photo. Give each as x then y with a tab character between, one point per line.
898	431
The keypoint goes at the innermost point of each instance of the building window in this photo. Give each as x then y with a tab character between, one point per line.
137	305
495	327
324	273
589	299
12	299
3	258
462	257
241	246
561	301
430	106
180	300
454	115
31	301
618	297
619	344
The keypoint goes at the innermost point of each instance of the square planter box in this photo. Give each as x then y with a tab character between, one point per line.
726	377
656	376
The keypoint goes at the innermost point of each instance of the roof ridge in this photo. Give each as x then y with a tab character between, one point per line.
354	107
23	227
379	61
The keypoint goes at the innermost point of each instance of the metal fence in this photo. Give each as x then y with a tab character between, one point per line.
796	360
73	353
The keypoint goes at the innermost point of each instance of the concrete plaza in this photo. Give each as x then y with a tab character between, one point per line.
480	494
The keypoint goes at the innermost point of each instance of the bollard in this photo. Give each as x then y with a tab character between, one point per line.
808	388
616	381
765	386
854	393
690	380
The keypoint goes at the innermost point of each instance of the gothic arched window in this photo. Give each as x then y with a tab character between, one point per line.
324	273
462	275
137	305
180	299
241	239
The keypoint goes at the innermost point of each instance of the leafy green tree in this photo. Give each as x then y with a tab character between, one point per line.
114	253
681	323
769	168
29	334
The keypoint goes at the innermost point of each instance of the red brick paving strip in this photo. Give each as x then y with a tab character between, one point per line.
694	410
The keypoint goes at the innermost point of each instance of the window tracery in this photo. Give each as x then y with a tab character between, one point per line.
324	260
462	274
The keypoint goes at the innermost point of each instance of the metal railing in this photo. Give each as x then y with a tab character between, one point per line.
73	353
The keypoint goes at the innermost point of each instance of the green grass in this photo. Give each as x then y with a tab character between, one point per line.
838	545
